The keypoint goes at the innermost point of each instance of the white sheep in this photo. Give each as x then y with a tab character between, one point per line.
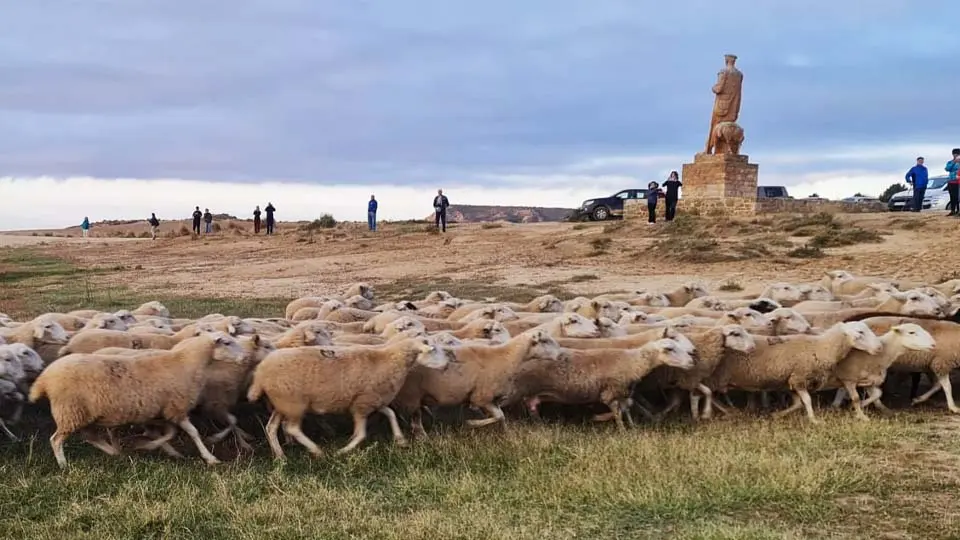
110	391
356	380
596	375
861	369
479	376
798	363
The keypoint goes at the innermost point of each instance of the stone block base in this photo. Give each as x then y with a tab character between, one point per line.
720	175
717	206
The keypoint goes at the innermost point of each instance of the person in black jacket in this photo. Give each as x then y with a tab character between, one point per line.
256	220
154	225
197	214
672	187
270	210
440	204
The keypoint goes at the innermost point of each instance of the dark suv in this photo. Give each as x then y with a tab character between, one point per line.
606	207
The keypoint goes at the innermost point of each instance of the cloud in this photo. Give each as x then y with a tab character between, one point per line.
428	93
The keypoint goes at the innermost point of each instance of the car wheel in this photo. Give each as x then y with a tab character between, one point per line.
601	213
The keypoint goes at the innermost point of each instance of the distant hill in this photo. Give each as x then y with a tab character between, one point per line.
464	213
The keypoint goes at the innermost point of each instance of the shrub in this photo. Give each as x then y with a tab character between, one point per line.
325	221
806	252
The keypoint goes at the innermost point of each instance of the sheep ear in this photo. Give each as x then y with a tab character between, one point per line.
137	344
327	353
595	304
256	339
231	329
688	288
38	331
896	329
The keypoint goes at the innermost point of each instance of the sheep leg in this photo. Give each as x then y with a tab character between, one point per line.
855	399
808	405
840	397
873	398
56	443
191	430
944	381
359	432
293	429
416	424
937	385
716	403
625	410
231	427
797	403
707	403
764	399
398	437
7	432
497	413
695	406
675	398
617	413
168	432
271	429
171	451
100	444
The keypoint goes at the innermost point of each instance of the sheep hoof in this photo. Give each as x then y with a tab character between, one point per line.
401	442
863	418
213	461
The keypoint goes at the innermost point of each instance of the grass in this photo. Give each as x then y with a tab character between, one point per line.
730	285
753	478
806	251
845	237
472	289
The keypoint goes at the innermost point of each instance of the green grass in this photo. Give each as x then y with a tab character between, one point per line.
725	479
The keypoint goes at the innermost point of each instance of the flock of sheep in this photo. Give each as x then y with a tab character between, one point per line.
350	354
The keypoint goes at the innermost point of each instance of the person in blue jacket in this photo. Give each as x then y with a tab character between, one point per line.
85	226
372	213
953	182
917	177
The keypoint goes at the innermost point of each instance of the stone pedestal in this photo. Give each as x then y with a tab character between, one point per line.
719	184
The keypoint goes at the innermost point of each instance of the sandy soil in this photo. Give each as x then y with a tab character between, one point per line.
295	262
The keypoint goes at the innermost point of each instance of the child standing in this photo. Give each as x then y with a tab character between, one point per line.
653	193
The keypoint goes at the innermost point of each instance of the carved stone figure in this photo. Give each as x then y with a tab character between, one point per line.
726	105
727	138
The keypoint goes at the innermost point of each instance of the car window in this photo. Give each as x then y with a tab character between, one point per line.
625	194
938	183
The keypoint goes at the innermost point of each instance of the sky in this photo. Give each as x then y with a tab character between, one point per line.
114	109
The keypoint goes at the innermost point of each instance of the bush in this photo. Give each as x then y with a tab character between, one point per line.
806	252
845	237
325	221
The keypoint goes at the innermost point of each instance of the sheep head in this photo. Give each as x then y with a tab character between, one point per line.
749	318
654	299
670	353
428	354
438	296
236	326
549	303
496	332
316	334
859	336
152	308
541	345
359	302
915	303
446	339
402	324
48	331
609	328
788	321
256	348
226	348
575	325
695	290
764	305
913	337
735	337
684	341
811	292
127	317
10	366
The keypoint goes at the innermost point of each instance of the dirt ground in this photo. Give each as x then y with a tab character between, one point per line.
584	257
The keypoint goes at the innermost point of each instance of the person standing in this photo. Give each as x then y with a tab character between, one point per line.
85	226
917	177
440	204
197	214
154	225
256	220
953	182
270	210
208	220
653	193
672	186
372	213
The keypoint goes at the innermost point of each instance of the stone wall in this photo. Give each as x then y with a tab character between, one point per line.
803	206
720	175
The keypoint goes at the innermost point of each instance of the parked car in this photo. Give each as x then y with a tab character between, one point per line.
859	199
604	208
772	192
936	197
